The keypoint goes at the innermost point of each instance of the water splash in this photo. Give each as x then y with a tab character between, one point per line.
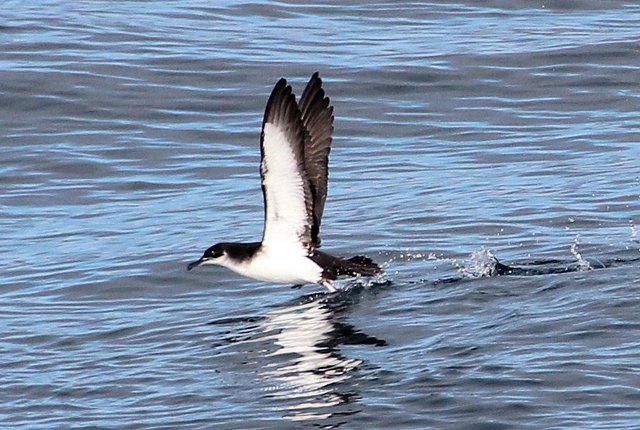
481	264
408	255
348	284
582	263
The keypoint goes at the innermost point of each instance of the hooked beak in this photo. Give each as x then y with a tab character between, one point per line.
196	263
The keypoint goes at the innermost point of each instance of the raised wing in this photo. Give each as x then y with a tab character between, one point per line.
317	118
286	188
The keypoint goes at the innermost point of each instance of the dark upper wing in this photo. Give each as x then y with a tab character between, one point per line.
317	117
285	185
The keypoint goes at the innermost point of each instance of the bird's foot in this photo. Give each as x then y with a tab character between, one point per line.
329	285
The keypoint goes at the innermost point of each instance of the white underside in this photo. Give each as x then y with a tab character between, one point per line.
282	177
277	267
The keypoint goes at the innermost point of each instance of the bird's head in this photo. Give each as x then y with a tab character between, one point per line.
214	255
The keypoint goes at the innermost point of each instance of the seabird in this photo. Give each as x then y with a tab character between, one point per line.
295	145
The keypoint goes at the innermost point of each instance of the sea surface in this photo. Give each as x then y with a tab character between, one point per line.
467	133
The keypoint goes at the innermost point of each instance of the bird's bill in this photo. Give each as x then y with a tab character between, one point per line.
195	264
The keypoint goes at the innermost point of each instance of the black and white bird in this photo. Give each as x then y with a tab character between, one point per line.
295	145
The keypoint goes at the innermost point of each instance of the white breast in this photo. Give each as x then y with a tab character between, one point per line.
279	267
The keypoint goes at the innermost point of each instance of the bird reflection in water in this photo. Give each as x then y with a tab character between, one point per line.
301	366
311	369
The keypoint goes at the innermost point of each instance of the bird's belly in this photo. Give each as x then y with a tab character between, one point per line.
294	269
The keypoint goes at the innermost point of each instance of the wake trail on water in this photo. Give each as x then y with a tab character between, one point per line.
483	263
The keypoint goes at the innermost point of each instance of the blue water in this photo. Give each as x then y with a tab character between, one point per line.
465	133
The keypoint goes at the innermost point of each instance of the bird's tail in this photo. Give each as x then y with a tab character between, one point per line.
333	267
358	265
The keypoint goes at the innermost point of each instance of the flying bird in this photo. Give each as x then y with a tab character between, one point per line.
294	145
